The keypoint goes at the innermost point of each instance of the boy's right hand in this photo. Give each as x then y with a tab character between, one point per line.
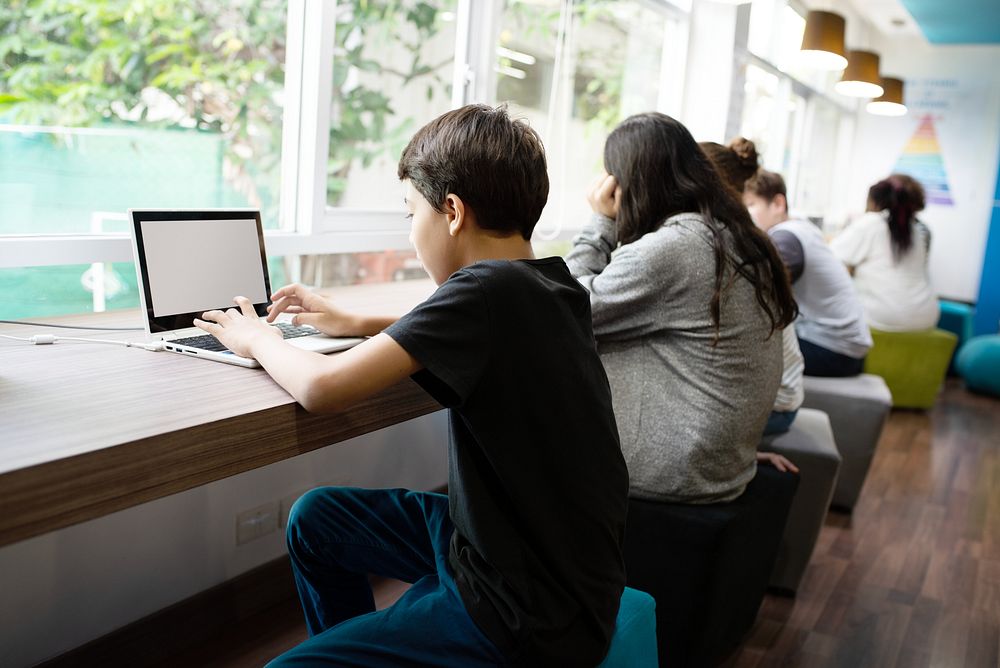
310	308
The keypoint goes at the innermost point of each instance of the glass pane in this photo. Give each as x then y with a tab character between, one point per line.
392	70
764	19
112	104
816	175
788	40
323	271
82	288
775	35
761	113
609	66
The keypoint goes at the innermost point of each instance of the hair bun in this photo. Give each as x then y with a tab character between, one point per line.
745	150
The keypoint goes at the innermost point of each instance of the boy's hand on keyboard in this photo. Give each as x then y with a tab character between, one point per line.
238	330
309	308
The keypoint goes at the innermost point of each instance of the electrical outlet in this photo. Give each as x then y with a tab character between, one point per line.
257	522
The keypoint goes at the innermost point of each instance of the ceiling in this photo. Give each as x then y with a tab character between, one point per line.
957	21
889	17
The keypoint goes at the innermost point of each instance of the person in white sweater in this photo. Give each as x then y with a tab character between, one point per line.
886	250
833	335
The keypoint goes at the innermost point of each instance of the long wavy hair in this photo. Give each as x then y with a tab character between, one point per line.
901	197
662	172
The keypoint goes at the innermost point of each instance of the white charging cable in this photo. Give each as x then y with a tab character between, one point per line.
48	339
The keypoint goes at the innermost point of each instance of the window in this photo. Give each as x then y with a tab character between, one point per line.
392	73
775	36
574	71
110	105
392	68
297	107
791	112
775	33
818	175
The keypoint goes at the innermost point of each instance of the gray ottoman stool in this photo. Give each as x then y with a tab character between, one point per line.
809	445
858	407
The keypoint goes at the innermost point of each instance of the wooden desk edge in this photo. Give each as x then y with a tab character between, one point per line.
60	493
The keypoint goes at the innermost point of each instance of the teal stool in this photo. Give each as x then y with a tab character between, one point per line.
634	643
979	364
956	318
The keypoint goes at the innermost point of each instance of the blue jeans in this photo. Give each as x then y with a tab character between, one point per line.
336	537
820	361
778	422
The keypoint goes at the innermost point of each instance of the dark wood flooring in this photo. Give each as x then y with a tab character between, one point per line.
911	579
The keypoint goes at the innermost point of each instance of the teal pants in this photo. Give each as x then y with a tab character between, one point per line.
336	537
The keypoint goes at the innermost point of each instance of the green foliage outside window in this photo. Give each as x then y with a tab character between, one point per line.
364	124
206	66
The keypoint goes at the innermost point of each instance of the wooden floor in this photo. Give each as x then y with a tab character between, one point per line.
911	579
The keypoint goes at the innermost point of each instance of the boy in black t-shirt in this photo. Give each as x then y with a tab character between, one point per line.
521	563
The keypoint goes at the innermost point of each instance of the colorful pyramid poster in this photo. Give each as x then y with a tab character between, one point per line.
922	160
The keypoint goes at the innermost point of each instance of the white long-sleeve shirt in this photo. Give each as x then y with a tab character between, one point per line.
896	292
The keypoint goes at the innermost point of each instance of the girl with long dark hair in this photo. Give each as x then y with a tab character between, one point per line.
689	299
887	251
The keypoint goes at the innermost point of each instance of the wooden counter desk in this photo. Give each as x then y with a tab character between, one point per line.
88	429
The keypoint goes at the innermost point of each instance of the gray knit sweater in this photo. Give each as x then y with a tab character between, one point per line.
690	414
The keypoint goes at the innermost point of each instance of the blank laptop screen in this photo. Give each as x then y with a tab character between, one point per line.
199	265
190	262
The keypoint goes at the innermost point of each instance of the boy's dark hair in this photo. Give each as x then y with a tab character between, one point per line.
662	171
495	164
767	185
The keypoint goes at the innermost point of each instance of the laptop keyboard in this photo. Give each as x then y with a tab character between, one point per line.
209	342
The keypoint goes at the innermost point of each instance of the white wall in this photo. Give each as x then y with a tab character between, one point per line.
65	588
967	121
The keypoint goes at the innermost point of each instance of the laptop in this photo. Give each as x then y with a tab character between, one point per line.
191	261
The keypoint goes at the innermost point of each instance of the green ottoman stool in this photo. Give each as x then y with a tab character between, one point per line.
979	364
634	643
913	364
956	318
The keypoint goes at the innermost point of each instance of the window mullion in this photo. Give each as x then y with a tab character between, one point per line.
319	37
478	49
292	115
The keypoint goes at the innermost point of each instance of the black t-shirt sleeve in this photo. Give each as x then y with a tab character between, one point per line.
791	252
449	335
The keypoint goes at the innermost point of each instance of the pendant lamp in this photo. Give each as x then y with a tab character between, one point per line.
891	101
823	41
861	78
